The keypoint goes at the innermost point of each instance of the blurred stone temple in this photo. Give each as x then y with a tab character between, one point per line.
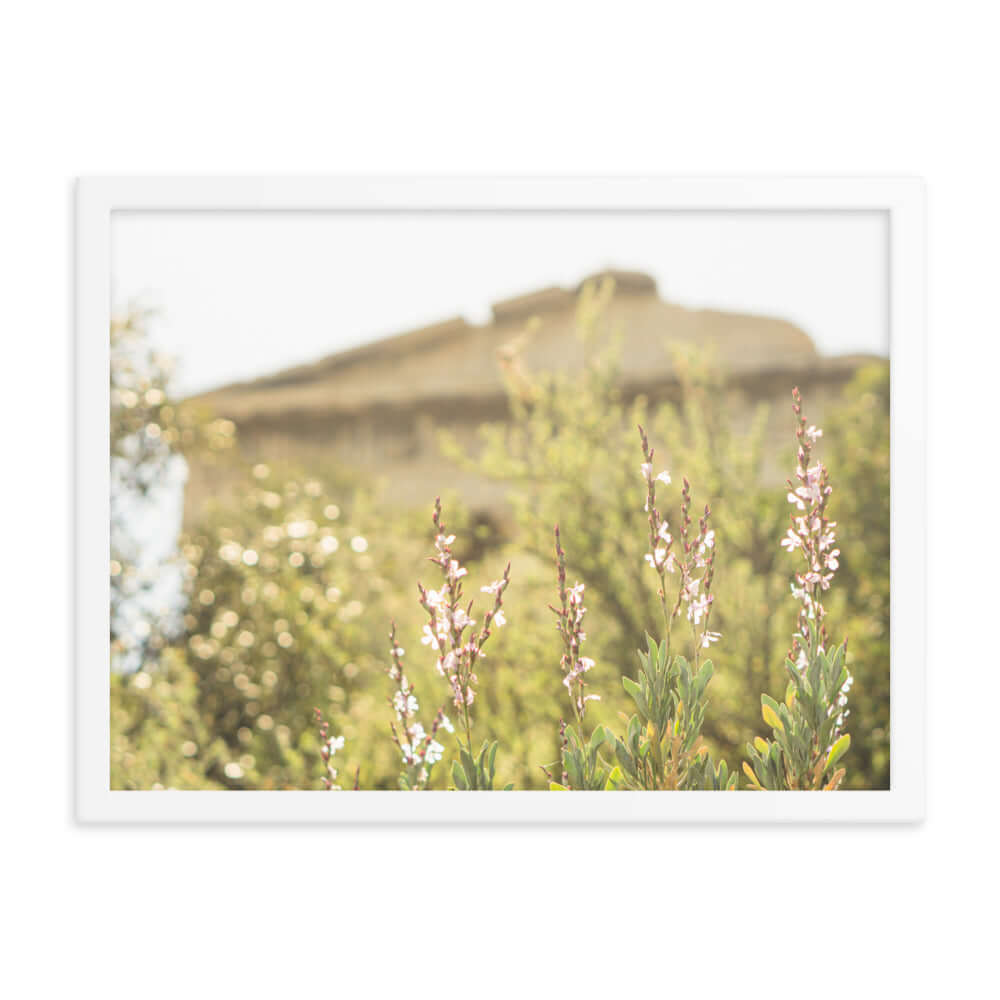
377	408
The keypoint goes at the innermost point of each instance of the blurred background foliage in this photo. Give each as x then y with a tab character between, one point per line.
291	579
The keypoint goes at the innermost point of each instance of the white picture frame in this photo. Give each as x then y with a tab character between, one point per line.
902	200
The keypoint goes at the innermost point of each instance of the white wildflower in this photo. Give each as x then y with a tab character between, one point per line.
657	559
698	608
429	638
404	705
791	541
437	598
447	664
461	620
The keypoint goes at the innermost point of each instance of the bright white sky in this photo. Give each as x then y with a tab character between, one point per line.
247	294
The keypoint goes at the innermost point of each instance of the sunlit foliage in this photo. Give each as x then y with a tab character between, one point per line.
568	457
293	579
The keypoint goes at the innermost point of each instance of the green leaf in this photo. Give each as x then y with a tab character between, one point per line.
573	770
766	699
624	759
771	718
661	655
838	750
705	674
615	780
458	777
554	786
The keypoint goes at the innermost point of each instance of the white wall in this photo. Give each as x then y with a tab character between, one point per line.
104	87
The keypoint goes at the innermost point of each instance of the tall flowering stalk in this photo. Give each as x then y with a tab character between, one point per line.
808	728
419	749
569	621
662	748
582	766
450	632
811	532
696	552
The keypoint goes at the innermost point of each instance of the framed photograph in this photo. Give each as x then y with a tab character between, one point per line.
449	485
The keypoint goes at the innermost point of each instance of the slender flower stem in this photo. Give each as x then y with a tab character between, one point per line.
450	618
569	621
694	552
660	541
